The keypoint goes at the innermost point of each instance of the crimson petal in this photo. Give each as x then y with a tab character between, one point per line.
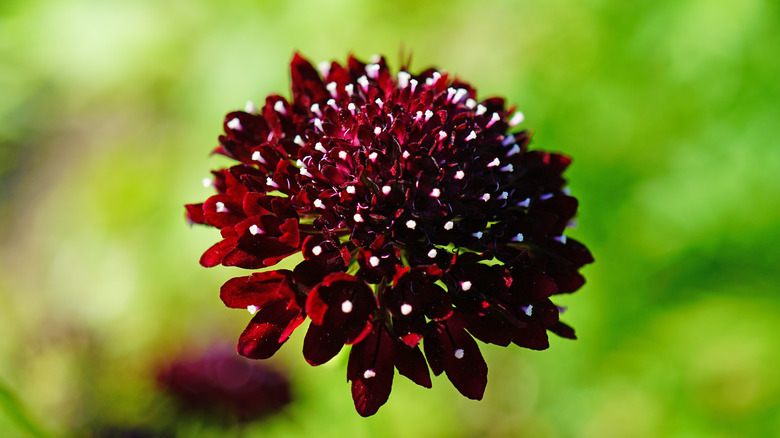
268	330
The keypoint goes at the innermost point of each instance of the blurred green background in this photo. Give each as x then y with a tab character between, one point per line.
670	109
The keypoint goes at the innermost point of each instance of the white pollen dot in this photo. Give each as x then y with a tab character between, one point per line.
368	374
528	310
406	154
317	250
373	261
351	107
436	76
459	353
250	107
481	109
379	102
450	93
318	124
346	306
435	193
403	79
460	174
252	309
332	103
413	82
448	225
386	190
315	108
271	182
442	135
350	89
515	150
298	140
478	234
279	107
525	203
516	119
372	156
363	82
428	115
471	103
411	224
207	182
318	203
377	130
234	123
465	285
351	190
406	309
432	254
519	237
561	238
357	217
255	230
486	197
343	155
461	93
508	168
494	163
320	148
324	68
472	135
509	139
220	206
372	70
418	115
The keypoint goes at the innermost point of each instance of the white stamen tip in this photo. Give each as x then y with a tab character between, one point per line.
234	124
406	309
373	156
255	230
279	107
377	130
350	89
428	115
250	107
450	94
494	163
486	197
270	182
471	103
351	107
368	374
332	103
493	119
315	108
561	238
346	306
460	174
525	203
432	254
459	353
406	154
515	150
503	195
460	94
363	82
465	285
403	79
528	310
448	225
324	68
331	87
472	135
442	135
516	119
320	148
386	190
207	182
481	109
413	83
298	140
252	309
372	70
411	224
343	155
351	190
318	124
257	157
478	234
318	203
508	168
373	261
509	139
357	217
519	237
220	206
317	250
435	193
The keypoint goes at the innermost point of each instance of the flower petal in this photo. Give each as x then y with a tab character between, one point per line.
371	372
321	344
268	330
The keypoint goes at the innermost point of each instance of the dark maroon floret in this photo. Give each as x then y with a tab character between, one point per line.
422	217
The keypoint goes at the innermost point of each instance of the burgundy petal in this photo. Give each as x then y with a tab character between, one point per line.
268	330
371	372
462	359
214	255
321	344
257	289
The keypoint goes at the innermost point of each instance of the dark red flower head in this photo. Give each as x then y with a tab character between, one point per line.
420	218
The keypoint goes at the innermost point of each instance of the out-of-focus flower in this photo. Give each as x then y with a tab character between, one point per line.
420	219
225	385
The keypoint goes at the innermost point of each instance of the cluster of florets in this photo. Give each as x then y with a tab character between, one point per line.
420	220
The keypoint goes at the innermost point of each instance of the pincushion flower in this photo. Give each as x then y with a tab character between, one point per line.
420	218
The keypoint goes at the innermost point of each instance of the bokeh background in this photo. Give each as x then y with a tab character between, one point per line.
670	109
